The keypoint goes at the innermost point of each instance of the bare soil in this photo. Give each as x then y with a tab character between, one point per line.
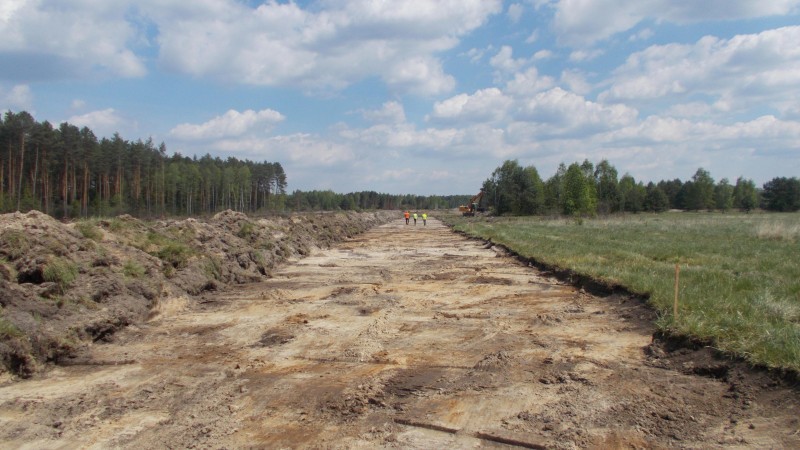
403	337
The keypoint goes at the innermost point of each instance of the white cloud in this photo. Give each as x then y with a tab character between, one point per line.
515	11
559	112
421	76
485	105
476	54
642	35
584	22
105	122
56	41
78	104
542	54
231	124
763	67
299	150
528	83
18	98
504	61
330	48
321	48
390	112
585	55
575	81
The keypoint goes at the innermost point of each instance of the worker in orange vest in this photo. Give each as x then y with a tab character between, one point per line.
407	215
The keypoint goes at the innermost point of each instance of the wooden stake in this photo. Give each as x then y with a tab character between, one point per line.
675	304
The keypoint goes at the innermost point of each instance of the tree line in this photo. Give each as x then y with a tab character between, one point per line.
585	190
66	171
329	201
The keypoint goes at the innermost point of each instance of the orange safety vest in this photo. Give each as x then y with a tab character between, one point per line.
406	214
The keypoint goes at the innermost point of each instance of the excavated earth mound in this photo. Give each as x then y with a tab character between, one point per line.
64	285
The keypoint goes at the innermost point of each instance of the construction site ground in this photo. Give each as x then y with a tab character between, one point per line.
403	337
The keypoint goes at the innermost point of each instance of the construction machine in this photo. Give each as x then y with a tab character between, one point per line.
473	205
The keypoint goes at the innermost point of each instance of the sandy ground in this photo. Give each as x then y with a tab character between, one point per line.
405	337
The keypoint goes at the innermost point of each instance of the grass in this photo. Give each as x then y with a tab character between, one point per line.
61	272
739	279
89	230
176	254
8	330
133	269
16	243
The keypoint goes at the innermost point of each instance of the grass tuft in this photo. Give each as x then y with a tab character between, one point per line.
89	230
61	272
15	244
8	330
779	231
132	269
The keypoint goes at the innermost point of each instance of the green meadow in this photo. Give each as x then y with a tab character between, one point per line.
739	286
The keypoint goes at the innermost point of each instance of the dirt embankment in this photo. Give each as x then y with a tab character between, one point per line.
65	285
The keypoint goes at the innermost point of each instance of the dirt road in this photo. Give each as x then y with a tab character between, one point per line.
405	337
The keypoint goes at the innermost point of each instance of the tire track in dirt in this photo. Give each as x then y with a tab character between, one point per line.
405	337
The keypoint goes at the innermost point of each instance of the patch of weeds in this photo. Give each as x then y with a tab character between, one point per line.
778	231
55	246
8	330
14	243
261	262
169	271
175	254
246	231
213	268
61	272
132	269
89	230
114	224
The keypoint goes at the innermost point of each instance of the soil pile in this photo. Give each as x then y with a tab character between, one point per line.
65	285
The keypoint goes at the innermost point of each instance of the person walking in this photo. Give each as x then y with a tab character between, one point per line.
424	219
406	215
415	219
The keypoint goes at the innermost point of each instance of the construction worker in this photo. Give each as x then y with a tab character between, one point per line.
407	215
424	219
415	219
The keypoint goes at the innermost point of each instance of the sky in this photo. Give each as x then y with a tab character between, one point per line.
421	97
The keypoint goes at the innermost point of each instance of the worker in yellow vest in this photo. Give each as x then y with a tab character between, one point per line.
424	219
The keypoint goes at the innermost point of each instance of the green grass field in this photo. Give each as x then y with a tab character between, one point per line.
739	273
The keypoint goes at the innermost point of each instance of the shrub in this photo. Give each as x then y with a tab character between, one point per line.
89	230
213	268
175	254
61	272
133	269
246	231
14	243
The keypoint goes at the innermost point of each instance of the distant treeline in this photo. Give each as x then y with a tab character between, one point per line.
68	172
586	189
329	201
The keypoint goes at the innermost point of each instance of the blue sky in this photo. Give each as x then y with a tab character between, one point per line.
421	97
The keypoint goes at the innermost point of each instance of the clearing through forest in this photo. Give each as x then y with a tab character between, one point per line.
403	337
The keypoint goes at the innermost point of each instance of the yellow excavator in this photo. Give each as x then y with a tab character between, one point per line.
473	206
